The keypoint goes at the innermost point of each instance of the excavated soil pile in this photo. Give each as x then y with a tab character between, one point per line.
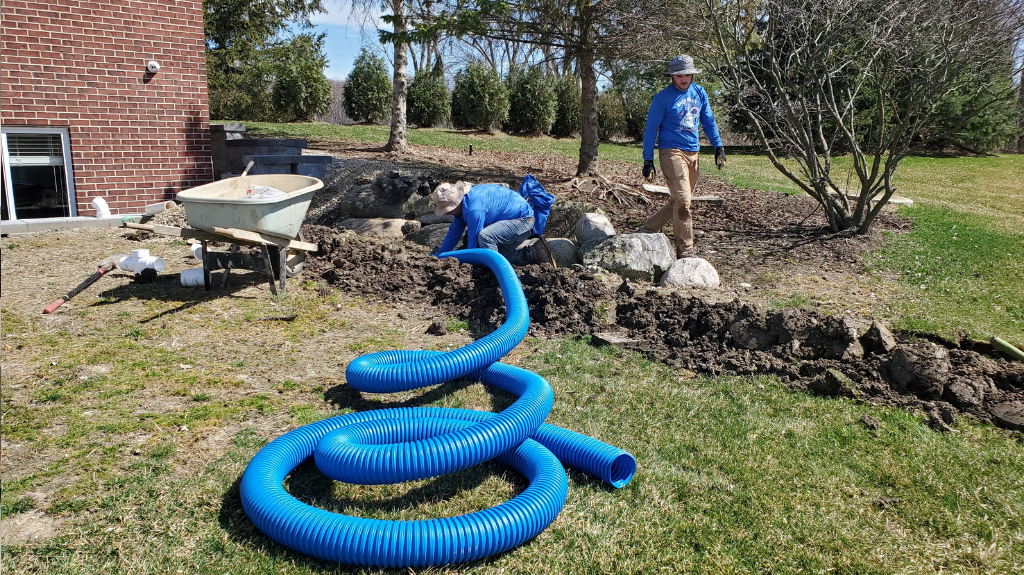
825	354
563	301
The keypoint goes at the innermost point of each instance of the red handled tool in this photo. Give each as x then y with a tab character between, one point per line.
105	266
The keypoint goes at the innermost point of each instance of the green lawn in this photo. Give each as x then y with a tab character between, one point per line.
736	475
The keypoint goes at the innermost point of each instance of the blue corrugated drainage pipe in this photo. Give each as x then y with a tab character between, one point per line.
396	445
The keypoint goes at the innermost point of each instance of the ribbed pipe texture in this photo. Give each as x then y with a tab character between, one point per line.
405	444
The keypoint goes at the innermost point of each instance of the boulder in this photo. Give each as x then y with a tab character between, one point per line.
565	252
431	219
564	216
691	272
431	236
592	229
633	256
382	227
390	196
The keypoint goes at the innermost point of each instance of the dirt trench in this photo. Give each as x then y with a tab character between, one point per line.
825	354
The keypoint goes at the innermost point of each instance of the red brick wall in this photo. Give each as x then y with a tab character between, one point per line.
136	138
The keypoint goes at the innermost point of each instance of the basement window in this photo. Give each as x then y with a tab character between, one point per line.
37	177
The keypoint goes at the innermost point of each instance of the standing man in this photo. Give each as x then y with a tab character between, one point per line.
497	219
672	119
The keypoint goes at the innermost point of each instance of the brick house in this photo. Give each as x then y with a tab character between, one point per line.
81	115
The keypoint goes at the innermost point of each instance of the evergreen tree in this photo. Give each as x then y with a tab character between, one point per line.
429	101
479	99
368	89
301	89
531	101
568	107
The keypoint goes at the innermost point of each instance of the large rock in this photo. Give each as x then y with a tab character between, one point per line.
592	229
431	236
564	251
564	216
391	196
382	227
691	272
431	219
634	256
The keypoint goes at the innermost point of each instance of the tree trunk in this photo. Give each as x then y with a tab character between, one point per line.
397	141
1020	121
588	138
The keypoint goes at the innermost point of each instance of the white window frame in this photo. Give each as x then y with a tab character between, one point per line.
69	175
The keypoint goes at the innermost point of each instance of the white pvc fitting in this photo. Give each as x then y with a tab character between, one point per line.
140	260
154	209
192	277
197	251
101	207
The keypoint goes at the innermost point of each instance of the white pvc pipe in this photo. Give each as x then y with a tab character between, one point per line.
197	251
101	207
140	260
192	277
154	209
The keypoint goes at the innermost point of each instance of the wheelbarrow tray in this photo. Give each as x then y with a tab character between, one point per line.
223	204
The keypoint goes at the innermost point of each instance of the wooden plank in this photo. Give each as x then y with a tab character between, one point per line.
258	238
224	235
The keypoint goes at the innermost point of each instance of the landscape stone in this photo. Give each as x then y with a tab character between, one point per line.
633	256
565	252
592	229
390	196
381	227
431	236
691	272
564	216
431	219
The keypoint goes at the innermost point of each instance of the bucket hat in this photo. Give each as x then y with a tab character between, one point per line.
447	196
681	65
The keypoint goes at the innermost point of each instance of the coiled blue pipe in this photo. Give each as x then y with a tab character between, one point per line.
405	444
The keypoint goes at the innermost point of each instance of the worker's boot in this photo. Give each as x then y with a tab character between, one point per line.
544	257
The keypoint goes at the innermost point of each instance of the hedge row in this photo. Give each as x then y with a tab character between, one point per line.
527	101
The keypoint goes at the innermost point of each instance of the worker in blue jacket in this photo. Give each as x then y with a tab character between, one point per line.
497	218
673	120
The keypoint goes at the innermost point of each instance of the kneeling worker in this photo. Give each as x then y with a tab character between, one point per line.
498	219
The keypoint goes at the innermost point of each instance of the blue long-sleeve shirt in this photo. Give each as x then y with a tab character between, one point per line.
482	206
673	118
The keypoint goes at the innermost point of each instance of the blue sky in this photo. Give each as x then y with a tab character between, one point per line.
345	36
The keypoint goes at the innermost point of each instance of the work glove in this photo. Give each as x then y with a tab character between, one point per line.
720	157
649	171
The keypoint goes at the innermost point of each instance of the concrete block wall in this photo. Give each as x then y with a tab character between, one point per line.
136	137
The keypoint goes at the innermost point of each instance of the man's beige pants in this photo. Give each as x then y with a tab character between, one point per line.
680	169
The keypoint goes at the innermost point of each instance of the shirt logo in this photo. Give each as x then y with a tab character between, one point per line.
688	111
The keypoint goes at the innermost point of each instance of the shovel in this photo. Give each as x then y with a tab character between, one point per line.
107	264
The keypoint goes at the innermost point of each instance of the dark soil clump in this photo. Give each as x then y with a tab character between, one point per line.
824	354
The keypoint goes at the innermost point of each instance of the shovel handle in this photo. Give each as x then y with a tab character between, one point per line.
88	282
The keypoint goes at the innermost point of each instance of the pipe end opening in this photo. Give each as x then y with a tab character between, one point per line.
622	471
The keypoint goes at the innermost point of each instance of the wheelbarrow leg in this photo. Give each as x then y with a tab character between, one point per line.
283	269
207	282
269	268
227	268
